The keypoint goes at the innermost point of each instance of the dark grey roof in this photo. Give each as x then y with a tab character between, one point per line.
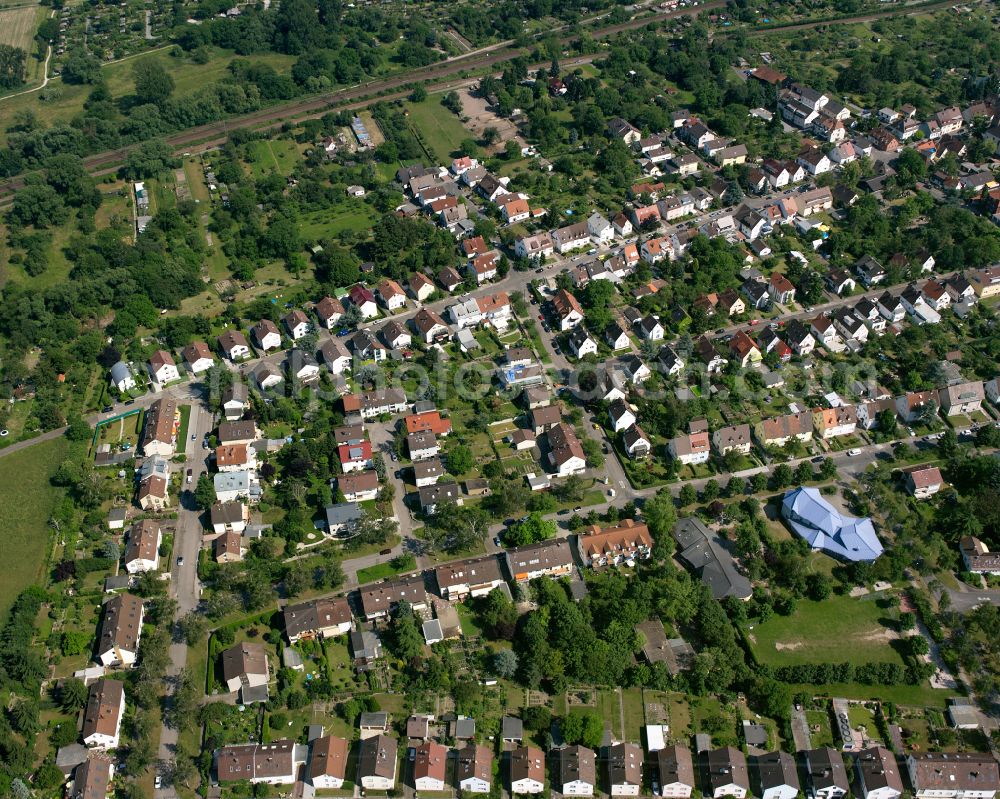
707	553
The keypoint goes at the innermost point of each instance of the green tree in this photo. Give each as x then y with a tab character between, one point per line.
583	727
504	664
72	694
459	459
688	495
153	83
530	530
204	492
12	66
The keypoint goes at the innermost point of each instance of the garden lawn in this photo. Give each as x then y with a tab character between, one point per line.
836	630
440	130
24	485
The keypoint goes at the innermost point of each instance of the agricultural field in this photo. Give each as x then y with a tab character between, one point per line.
273	155
838	629
18	26
440	130
60	102
24	484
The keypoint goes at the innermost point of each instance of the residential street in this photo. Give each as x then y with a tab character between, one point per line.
184	584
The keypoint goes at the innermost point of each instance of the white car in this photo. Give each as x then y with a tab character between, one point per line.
853	452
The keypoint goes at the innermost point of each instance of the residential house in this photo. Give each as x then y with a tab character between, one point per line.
600	229
327	767
581	342
781	289
671	362
777	776
536	246
877	774
102	716
122	377
868	411
936	295
566	453
92	778
655	250
326	617
235	401
778	431
527	770
359	486
297	324
577	771
432	495
369	404
235	458
552	558
566	309
378	601
870	271
271	764
364	299
159	430
429	326
234	345
922	481
727	773
422	445
430	762
636	442
799	338
916	406
977	556
198	357
474	771
963	398
228	547
650	328
621	415
143	550
571	237
744	350
395	336
474	577
676	771
267	335
229	517
121	629
245	666
612	546
230	486
266	376
833	422
162	368
449	279
238	432
495	309
428	472
328	312
153	494
616	338
953	775
827	776
335	355
484	267
733	438
355	457
376	767
690	448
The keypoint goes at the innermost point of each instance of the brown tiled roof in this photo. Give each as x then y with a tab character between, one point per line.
611	540
384	596
231	455
527	762
120	623
103	708
92	778
676	765
564	443
328	757
378	757
159	425
475	761
578	763
430	761
625	764
954	771
475	571
196	350
316	614
142	541
244	658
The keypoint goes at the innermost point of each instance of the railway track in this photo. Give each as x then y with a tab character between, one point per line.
433	76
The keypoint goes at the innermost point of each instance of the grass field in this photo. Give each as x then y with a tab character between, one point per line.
59	102
273	156
24	486
440	129
18	26
836	630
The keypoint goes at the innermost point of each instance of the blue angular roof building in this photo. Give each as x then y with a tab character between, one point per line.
828	530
